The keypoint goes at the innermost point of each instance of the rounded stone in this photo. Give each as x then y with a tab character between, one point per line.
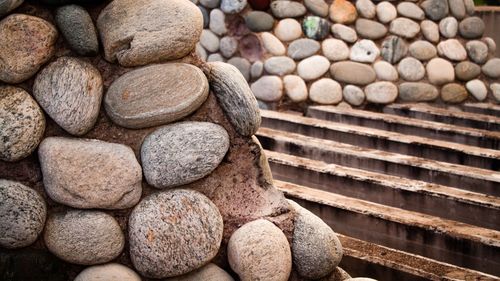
210	3
448	27
256	69
268	88
381	92
370	29
452	49
272	44
325	91
495	89
313	67
417	92
215	57
70	92
258	21
8	5
280	65
242	64
394	48
22	214
366	8
317	7
303	48
108	272
435	9
335	49
492	46
404	27
422	50
386	12
295	88
156	95
454	93
467	70
411	69
218	22
344	32
364	51
410	10
477	89
174	232
22	124
457	8
288	30
315	27
209	272
471	28
385	71
470	8
353	95
260	251
492	68
287	9
430	30
84	237
477	51
342	11
182	153
233	6
228	46
27	43
209	40
440	71
77	27
142	32
352	72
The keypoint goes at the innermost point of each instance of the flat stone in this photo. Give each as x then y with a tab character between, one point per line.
364	51
477	51
417	92
440	71
385	71
353	95
182	153
209	272
228	46
216	57
452	49
256	69
325	91
77	27
335	49
317	7
342	11
411	69
8	5
258	21
315	27
83	236
492	68
366	8
370	29
218	22
381	92
313	67
84	173
209	40
22	215
303	48
268	88
288	30
394	48
457	8
142	32
495	89
27	43
352	73
435	9
492	46
242	64
182	235
448	27
210	3
344	32
272	44
386	12
287	9
22	124
155	95
410	10
260	251
109	272
470	8
477	89
295	88
280	65
233	6
404	27
235	97
467	70
471	28
430	30
422	50
454	93
77	109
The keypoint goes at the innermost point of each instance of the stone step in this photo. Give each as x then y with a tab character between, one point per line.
384	140
458	176
437	200
482	108
405	125
454	117
444	240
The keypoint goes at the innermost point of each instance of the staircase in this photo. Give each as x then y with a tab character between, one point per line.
414	192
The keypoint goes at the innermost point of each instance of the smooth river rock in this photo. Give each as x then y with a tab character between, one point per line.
288	30
325	91
364	51
313	67
410	10
295	88
353	95
440	71
335	49
422	50
344	32
492	68
272	44
268	88
448	27
209	272
385	71
452	49
417	92
78	29
477	89
343	11
393	49
404	27
411	69
435	9
454	93
279	65
108	272
366	8
467	70
352	72
287	9
233	6
386	12
370	29
217	22
242	64
315	27
381	92
303	48
258	21
471	28
317	7
430	30
477	51
495	89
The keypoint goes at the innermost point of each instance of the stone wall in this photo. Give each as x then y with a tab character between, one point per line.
296	53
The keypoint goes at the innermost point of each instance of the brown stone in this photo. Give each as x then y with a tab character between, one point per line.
343	11
454	93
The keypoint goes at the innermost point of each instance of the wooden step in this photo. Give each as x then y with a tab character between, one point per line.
482	108
405	125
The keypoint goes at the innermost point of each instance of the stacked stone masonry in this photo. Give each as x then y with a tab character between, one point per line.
123	156
354	53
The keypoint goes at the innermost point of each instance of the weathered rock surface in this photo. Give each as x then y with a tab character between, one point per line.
317	7
352	73
411	69
471	28
477	51
364	51
394	48
410	10
422	50
108	272
268	88
315	27
430	30
370	29
217	22
288	30
233	6
404	27
381	92
228	46
78	29
242	64
287	9
344	32
448	27
342	11
435	9
417	92
386	12
272	44
209	272
454	93
366	8
452	49
325	91
258	21
385	71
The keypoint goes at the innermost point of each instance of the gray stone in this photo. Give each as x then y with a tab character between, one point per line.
411	69
467	70
385	71
495	89
181	235
430	30
366	8
242	64
352	72
492	68
353	95
22	124
182	153
218	22
477	89
77	27
235	97
209	272
364	51
313	67
440	71
381	92
471	28
215	57
70	92
325	91
448	27
210	3
454	93
22	214
84	173
228	46
206	16
410	10
422	50
394	49
233	6
335	49
258	21
470	7
492	46
457	8
8	5
477	51
272	44
287	9
370	29
27	43
404	27
141	32
256	69
435	9
288	29
84	237
268	88
260	251
452	49
280	65
155	95
417	92
108	272
303	48
386	12
317	7
295	88
344	32
209	40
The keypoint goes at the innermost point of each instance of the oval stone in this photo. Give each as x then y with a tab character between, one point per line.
477	89
370	29
287	9
381	92
467	70
454	93
404	27
417	92
325	91
295	88
492	68
303	48
183	152
108	272
85	173
411	69
209	272
268	88
440	71
156	95
78	29
352	72
472	27
353	95
174	232
279	65
313	67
